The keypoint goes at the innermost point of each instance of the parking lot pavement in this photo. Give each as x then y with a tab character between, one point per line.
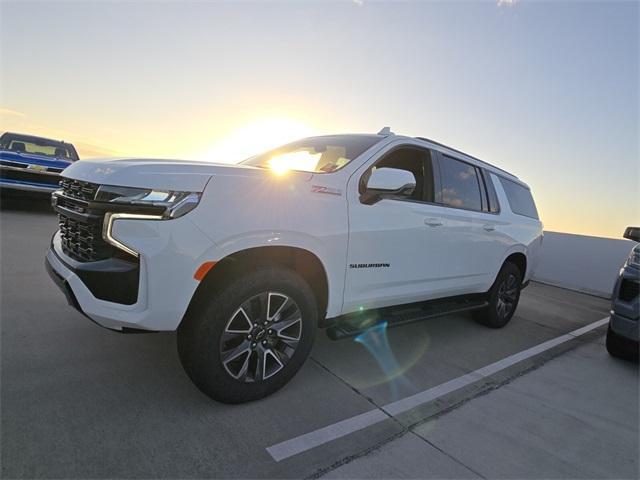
80	401
574	417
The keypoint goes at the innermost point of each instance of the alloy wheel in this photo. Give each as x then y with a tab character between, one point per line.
507	296
261	337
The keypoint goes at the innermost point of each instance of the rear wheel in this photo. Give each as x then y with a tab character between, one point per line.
503	298
251	338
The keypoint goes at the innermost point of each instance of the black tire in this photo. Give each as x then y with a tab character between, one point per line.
503	297
621	347
211	325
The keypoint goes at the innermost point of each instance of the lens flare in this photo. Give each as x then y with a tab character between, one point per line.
375	340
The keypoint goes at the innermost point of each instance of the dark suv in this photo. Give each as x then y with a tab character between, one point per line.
623	335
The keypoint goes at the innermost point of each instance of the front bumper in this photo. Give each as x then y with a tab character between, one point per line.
625	327
27	179
26	187
114	279
152	294
625	304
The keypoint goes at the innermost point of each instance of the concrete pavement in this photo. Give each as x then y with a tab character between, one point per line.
79	401
574	417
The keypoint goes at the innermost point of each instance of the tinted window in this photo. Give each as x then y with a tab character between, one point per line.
460	184
520	199
494	206
418	162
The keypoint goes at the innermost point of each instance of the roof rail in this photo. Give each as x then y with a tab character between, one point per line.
465	154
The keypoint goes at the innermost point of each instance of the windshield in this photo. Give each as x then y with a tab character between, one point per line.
37	145
315	154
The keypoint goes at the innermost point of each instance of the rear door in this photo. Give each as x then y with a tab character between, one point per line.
475	244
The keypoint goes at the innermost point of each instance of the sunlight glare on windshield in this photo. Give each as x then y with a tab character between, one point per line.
257	137
301	160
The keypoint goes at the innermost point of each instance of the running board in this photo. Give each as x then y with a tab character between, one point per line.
353	324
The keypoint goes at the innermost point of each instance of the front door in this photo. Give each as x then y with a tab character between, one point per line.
396	245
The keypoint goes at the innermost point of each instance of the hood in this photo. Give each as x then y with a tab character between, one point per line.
34	159
181	175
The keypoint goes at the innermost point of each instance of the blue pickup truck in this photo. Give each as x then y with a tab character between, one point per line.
33	164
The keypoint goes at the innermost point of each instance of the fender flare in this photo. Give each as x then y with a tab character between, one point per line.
286	239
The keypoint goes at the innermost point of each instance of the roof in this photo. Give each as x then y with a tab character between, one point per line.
433	142
35	137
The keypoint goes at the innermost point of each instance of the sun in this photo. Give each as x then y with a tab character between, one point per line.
256	137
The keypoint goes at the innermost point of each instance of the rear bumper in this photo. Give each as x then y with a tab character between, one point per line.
151	295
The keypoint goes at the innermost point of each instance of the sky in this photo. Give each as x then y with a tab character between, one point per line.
546	90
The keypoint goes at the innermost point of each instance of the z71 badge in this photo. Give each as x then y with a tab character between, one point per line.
322	189
369	265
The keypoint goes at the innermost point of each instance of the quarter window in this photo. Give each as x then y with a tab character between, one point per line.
520	198
460	184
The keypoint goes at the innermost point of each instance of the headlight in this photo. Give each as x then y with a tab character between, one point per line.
634	257
170	204
152	205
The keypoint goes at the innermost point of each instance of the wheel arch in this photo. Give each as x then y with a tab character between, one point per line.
519	259
300	260
518	255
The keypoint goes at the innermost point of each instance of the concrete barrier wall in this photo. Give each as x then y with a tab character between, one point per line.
578	262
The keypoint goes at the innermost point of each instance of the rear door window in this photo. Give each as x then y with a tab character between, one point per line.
520	198
460	184
494	205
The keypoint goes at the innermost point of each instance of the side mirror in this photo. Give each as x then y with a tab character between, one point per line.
632	233
388	182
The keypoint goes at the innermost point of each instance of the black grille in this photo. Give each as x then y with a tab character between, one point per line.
80	227
629	290
83	240
80	190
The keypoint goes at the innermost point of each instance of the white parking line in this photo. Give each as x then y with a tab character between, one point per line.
307	441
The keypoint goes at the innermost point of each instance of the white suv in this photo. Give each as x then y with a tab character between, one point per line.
246	261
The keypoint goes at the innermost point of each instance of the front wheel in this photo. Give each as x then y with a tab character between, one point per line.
250	338
503	298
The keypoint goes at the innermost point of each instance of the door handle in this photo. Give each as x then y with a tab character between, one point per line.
489	228
433	222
